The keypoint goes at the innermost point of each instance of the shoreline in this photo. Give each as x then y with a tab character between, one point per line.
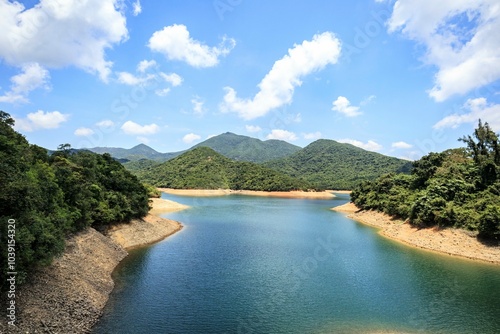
450	241
69	296
226	192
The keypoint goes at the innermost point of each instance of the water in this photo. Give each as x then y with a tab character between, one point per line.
264	265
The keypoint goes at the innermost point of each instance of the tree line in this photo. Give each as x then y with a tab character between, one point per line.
455	188
52	196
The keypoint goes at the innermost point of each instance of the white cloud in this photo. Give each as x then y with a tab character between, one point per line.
41	120
277	87
460	37
190	137
33	76
57	33
478	108
84	132
175	43
282	135
162	92
402	145
145	65
173	78
253	128
313	135
132	128
198	108
105	123
343	106
136	6
369	146
127	78
367	100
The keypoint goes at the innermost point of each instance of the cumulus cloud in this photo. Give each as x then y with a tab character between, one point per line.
132	128
190	137
41	120
253	128
136	7
277	87
460	37
478	108
144	65
312	135
32	76
343	106
175	43
57	33
402	145
282	135
84	132
198	107
369	145
173	78
106	123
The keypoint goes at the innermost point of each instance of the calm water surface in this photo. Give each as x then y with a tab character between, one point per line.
263	265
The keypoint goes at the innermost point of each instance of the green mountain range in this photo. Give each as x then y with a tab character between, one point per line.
203	168
332	165
236	147
243	148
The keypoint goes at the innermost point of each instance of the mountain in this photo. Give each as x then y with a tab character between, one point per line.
236	147
243	148
135	153
203	168
332	165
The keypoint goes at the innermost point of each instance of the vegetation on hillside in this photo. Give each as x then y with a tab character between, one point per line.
243	148
203	168
49	197
459	188
331	165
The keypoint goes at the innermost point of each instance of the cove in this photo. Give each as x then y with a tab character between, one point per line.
267	265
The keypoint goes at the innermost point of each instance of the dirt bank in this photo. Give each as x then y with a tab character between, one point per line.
69	296
225	192
449	241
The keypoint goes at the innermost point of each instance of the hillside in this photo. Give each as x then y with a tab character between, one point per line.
457	188
236	147
203	168
135	153
243	148
332	165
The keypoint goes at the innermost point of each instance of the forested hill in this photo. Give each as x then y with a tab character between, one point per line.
236	147
48	197
135	153
332	165
203	168
459	188
243	148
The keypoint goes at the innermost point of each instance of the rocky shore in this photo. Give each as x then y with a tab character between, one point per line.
451	241
68	296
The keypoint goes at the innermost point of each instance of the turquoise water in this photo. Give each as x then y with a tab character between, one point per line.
264	265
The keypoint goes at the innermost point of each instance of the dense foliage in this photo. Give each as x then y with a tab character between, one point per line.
243	148
203	168
50	197
236	147
459	187
332	165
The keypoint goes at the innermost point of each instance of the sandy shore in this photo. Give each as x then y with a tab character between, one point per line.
160	205
449	241
69	295
226	192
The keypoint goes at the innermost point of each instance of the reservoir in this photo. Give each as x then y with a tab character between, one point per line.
246	264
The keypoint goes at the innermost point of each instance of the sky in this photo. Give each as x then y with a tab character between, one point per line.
402	78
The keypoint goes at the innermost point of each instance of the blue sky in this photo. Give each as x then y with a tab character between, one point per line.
402	78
